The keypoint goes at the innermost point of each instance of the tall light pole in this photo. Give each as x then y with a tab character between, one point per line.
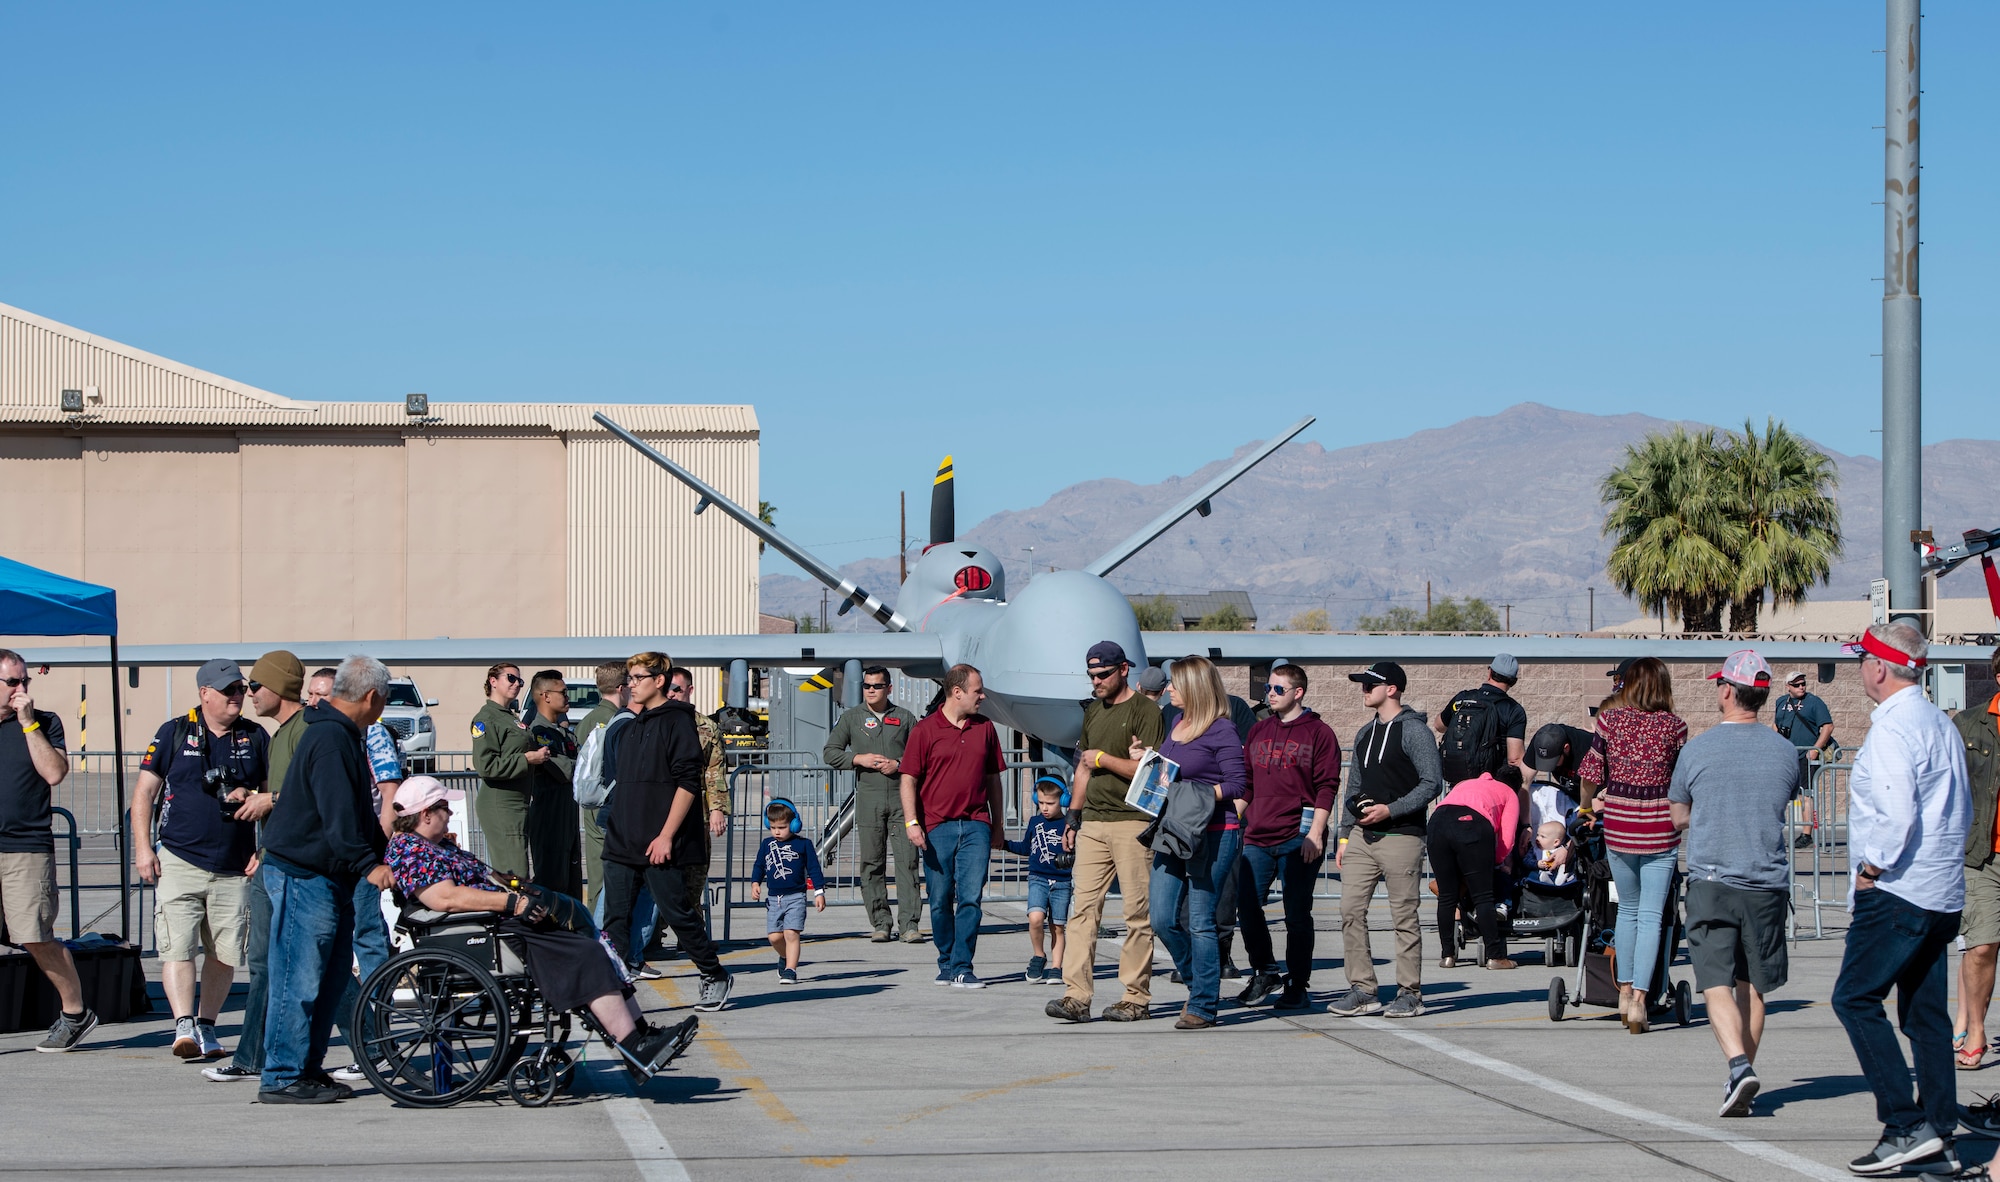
1902	313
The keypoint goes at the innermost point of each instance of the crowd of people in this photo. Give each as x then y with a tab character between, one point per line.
274	849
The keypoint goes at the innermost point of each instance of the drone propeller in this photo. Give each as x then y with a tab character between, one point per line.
944	524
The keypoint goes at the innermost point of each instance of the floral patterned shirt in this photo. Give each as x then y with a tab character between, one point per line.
419	865
1633	760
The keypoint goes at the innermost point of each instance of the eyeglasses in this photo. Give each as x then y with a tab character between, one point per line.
511	678
643	675
679	689
255	686
233	690
869	685
1280	690
1102	674
15	682
556	689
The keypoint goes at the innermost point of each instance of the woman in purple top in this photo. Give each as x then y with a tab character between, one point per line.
1205	743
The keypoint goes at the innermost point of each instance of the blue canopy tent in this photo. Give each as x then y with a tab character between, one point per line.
35	602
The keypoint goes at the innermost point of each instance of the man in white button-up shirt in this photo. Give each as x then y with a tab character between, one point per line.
1909	803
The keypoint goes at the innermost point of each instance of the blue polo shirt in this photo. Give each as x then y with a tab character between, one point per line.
191	820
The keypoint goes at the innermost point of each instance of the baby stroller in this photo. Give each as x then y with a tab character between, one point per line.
1539	911
444	1020
1596	982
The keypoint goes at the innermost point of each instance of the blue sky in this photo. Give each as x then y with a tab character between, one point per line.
1061	242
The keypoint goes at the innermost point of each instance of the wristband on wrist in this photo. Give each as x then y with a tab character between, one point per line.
1098	762
910	824
30	727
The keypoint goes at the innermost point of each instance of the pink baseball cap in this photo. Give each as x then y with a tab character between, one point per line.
421	792
1744	667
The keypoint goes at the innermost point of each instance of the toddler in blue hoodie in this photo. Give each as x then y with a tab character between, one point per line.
1048	882
787	869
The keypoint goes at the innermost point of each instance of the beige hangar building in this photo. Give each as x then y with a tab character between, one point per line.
221	512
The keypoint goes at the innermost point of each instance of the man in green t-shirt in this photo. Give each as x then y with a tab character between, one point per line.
1104	834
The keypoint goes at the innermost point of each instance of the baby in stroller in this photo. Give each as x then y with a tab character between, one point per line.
1546	862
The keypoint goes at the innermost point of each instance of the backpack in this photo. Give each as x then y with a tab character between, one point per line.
599	752
1471	743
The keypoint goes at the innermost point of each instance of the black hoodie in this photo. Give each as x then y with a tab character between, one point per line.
324	821
659	755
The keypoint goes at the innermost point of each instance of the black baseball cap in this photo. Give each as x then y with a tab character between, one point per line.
1105	654
1382	673
1546	752
1624	667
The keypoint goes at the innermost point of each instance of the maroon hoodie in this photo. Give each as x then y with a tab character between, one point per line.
1292	765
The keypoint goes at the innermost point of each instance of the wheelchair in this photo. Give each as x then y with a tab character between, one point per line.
441	1022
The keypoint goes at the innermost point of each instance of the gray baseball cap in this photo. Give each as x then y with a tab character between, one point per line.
1153	680
220	673
1506	666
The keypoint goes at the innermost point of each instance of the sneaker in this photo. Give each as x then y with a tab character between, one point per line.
966	980
943	977
1262	983
1069	1009
187	1045
714	993
1983	1117
661	1045
1895	1149
1127	1011
350	1074
788	976
912	936
881	936
1737	1094
302	1091
204	1033
1293	998
67	1032
340	1090
1038	968
1803	841
1408	1004
1354	1002
229	1073
1944	1161
644	972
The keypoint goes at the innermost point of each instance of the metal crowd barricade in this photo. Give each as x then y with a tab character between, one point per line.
1820	869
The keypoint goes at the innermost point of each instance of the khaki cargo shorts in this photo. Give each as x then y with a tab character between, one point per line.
28	897
197	911
1980	924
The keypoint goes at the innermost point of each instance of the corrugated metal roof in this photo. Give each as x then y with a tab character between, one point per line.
40	358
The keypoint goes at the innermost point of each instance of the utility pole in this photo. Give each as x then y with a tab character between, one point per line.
1592	626
1031	562
822	609
1427	598
902	538
1508	627
1902	314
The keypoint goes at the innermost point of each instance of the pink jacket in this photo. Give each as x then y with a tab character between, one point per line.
1499	804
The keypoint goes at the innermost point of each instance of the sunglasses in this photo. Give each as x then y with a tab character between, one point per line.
678	689
512	678
868	685
1102	674
15	682
233	690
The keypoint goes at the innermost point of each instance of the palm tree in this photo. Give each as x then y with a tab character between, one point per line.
1782	487
1676	533
766	513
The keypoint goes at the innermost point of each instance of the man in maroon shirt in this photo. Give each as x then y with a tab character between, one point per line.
1294	763
951	797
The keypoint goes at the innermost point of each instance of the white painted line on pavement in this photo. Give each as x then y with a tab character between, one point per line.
1742	1144
655	1159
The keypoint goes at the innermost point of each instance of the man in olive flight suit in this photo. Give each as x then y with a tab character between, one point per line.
505	755
868	741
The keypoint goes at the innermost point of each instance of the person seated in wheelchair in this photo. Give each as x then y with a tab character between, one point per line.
573	970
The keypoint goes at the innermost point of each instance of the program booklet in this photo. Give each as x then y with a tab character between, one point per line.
1148	793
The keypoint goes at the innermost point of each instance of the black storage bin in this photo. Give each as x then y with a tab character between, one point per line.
113	980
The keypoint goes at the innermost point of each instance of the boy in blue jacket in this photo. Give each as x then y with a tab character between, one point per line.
1048	881
789	867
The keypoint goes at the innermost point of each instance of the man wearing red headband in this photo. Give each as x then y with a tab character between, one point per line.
1909	806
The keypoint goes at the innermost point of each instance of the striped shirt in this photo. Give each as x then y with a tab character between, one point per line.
1632	760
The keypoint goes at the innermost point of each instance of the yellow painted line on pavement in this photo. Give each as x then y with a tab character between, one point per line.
729	1059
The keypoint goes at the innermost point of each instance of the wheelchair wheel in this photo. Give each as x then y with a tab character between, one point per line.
435	1028
535	1080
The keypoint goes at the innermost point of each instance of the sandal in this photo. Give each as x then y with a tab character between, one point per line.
1971	1060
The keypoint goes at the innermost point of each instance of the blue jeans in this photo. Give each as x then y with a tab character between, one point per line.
645	923
1643	881
1256	868
1191	940
955	859
250	1043
371	948
1893	942
312	944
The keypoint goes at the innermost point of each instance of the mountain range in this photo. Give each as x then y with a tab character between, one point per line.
1503	507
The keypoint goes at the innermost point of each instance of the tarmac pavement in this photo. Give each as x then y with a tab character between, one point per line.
867	1070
